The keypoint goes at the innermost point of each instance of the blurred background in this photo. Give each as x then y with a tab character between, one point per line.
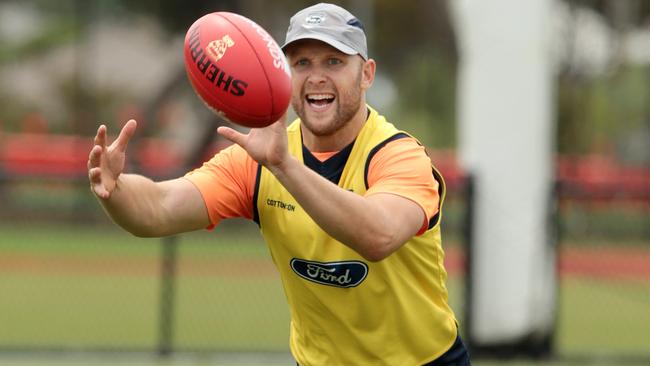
74	289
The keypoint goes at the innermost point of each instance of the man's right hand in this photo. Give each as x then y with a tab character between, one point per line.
106	163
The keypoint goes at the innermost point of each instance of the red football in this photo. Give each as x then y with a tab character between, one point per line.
237	69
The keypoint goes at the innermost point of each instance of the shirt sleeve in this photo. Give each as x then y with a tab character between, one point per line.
226	183
403	168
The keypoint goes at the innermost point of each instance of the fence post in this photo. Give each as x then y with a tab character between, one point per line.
167	295
468	240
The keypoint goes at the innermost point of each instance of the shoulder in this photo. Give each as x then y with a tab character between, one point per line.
232	161
231	155
399	147
399	159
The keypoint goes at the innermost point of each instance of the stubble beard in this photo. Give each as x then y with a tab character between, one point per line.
347	105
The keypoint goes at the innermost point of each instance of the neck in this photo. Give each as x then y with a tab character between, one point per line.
339	139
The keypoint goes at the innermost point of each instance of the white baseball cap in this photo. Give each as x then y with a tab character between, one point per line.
331	24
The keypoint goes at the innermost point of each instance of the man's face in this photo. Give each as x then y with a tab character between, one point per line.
328	85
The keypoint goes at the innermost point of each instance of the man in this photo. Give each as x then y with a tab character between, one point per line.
348	205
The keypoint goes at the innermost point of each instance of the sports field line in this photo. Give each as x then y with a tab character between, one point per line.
606	263
148	359
124	266
585	262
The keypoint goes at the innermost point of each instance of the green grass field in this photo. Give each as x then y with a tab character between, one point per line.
82	288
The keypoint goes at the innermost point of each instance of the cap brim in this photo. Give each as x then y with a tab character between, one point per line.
324	38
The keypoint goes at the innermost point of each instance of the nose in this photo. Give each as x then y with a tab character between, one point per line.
316	77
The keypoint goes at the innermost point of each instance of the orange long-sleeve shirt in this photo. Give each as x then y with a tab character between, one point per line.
401	167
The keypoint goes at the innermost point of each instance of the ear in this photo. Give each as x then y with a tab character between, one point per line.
368	73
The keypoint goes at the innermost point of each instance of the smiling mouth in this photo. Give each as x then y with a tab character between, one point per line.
319	101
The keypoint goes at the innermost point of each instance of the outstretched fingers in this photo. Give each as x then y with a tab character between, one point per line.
95	156
125	135
232	135
95	171
96	184
100	137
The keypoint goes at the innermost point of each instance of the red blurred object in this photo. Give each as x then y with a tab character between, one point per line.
65	156
602	178
593	178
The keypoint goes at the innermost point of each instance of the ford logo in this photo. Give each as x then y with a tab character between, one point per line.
338	274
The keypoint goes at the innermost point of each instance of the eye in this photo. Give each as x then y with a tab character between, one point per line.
302	62
334	61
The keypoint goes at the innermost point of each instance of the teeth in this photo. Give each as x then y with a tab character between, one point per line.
320	96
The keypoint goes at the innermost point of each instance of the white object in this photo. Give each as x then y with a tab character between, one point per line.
506	143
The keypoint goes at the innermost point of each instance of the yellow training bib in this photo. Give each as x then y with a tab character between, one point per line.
346	310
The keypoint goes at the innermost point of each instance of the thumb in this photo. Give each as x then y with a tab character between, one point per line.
232	135
125	134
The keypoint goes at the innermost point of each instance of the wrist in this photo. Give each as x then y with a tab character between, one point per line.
281	169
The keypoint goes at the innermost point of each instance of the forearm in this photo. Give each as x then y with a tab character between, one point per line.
354	220
136	205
